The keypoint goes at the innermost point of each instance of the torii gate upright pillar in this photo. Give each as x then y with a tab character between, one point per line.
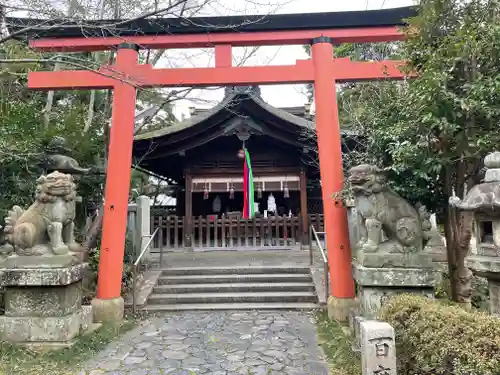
332	180
108	306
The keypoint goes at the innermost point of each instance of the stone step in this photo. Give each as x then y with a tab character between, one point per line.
204	298
181	271
233	278
232	306
234	287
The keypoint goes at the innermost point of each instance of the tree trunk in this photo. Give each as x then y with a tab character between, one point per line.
93	232
57	66
50	102
458	232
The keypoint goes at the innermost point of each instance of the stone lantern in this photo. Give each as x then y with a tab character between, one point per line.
483	200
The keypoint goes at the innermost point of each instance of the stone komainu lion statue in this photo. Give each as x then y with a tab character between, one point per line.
382	211
47	225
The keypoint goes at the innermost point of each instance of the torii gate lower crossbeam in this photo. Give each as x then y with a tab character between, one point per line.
127	75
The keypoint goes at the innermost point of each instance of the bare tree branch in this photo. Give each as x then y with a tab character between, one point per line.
72	23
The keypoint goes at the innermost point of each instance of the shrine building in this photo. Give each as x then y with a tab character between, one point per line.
201	158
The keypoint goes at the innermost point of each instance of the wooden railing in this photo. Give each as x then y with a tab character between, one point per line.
171	234
258	232
230	232
318	222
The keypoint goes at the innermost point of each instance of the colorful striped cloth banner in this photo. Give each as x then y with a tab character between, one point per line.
248	188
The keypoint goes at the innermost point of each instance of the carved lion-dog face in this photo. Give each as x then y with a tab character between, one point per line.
366	179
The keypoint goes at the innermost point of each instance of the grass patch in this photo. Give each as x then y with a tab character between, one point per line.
21	361
337	346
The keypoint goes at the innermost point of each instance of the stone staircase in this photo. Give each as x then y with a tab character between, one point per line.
233	288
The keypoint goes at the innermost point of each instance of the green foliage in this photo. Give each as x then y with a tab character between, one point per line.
448	115
431	132
479	291
93	260
433	338
337	345
445	120
480	294
23	136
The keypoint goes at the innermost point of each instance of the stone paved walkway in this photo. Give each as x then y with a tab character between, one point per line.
217	343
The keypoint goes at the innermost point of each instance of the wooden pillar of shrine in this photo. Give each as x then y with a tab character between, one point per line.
303	208
188	212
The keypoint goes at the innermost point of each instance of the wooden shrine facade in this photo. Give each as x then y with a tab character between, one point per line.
199	156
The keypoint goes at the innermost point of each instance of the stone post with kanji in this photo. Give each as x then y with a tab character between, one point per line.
378	349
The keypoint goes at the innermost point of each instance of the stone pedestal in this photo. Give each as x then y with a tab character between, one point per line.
339	308
489	268
436	249
494	289
108	310
43	306
375	285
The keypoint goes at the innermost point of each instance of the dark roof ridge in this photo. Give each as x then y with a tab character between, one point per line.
66	28
231	97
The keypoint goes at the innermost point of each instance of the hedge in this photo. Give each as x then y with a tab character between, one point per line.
433	338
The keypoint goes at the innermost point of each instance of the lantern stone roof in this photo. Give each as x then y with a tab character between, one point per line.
485	196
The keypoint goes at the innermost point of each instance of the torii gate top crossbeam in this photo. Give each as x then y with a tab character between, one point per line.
198	32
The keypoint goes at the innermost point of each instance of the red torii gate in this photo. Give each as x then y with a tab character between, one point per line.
126	75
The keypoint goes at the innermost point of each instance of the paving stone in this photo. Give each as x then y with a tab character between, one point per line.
143	345
138	371
174	354
148	363
134	360
178	347
261	370
277	366
138	353
216	343
168	363
111	365
194	361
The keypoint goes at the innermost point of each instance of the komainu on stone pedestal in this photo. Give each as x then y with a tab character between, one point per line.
389	258
40	273
387	223
47	226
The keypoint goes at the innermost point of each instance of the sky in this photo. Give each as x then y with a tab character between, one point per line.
276	95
